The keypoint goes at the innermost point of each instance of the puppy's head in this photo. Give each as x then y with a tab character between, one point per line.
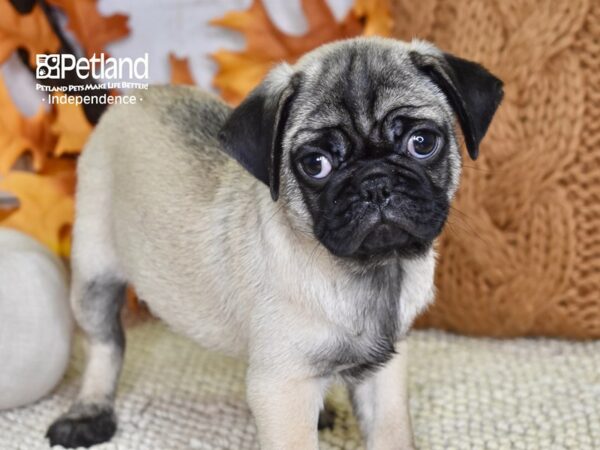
358	140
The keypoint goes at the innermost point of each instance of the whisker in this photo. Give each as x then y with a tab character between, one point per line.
274	213
465	227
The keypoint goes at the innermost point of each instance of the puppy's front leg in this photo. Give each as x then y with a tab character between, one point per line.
286	409
381	404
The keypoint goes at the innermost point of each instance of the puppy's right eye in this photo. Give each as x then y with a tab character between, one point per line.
423	144
316	165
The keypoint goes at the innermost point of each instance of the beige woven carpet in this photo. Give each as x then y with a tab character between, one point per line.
466	394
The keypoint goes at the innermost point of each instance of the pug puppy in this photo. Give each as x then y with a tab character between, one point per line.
295	230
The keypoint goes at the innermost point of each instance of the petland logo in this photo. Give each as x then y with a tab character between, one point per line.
56	66
65	74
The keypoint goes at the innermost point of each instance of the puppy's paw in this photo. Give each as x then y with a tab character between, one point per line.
83	426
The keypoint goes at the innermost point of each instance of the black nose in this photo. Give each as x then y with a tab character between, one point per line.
375	188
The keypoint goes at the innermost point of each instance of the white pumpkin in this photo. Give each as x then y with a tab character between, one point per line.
35	320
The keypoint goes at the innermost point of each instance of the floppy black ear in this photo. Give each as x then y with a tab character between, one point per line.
473	92
253	133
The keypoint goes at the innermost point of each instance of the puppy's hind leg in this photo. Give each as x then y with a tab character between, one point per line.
97	295
91	419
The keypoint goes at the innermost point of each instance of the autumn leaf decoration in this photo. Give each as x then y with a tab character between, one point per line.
30	31
37	154
180	70
19	134
266	45
45	211
90	28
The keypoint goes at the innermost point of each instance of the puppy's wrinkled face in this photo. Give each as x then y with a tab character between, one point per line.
357	140
370	151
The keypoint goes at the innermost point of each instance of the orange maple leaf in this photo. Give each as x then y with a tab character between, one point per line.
6	207
71	127
29	31
376	15
93	31
19	134
239	72
63	173
44	211
266	45
180	70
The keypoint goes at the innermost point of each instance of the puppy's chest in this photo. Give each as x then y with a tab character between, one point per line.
367	340
354	357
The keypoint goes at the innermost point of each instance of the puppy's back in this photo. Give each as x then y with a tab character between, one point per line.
164	117
170	136
152	169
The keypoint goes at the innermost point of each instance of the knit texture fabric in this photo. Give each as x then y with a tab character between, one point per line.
521	253
466	393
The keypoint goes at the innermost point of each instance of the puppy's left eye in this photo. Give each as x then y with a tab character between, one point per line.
423	144
316	165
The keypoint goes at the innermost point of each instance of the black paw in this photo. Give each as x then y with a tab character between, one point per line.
326	418
83	427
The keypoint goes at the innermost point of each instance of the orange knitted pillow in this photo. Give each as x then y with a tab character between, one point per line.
521	253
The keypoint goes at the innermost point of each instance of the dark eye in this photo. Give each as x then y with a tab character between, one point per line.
423	144
316	165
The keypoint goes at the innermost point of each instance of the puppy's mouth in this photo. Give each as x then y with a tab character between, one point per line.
386	239
376	233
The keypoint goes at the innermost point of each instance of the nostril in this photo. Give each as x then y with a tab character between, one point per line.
365	193
375	190
386	191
